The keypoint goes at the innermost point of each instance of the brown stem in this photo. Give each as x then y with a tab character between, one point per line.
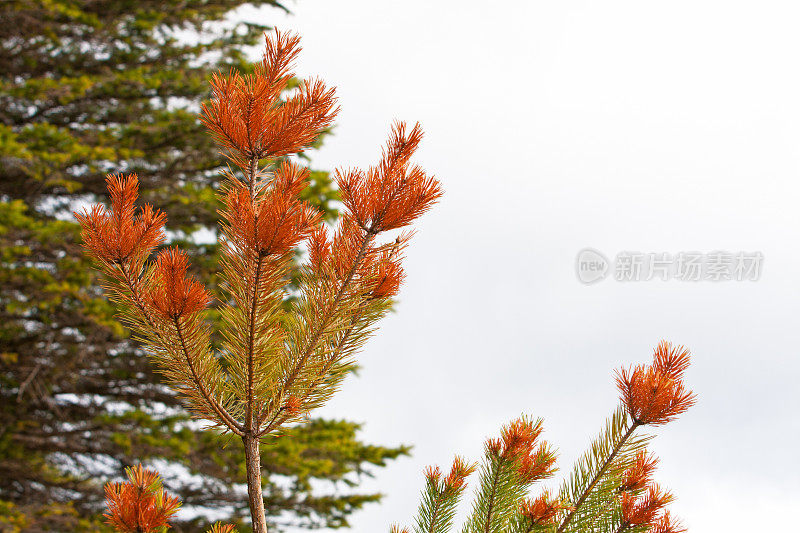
248	420
252	460
251	177
494	491
435	514
597	476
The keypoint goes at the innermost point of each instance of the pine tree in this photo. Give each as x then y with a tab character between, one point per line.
276	362
85	88
610	489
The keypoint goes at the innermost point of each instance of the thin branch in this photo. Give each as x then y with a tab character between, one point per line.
275	422
496	479
597	476
221	412
435	514
224	415
368	236
24	384
251	335
251	178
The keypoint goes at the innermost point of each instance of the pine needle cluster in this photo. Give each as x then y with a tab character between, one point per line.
140	505
611	487
280	357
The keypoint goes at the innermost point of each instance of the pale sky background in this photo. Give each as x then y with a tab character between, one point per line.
553	126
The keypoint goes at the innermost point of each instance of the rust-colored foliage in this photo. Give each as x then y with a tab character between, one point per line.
640	473
394	193
173	294
274	223
455	479
123	232
245	114
459	472
519	441
655	394
542	510
139	505
643	510
667	524
390	277
610	487
278	359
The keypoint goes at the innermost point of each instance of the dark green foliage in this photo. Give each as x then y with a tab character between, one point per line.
88	88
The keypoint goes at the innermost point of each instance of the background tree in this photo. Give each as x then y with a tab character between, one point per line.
87	87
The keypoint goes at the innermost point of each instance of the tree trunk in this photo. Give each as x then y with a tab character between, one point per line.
252	460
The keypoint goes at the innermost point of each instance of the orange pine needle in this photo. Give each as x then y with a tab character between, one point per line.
655	394
639	474
543	510
459	472
643	510
274	222
519	442
247	117
118	234
140	505
390	277
174	295
667	524
393	194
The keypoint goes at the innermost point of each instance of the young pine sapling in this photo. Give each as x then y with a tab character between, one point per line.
278	359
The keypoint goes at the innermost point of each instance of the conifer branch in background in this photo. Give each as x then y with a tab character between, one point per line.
610	489
277	362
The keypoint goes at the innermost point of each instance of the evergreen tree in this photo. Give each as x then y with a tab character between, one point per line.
87	87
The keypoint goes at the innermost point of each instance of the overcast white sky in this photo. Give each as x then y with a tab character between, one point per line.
553	126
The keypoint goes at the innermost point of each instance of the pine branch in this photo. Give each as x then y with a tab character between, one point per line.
277	420
326	318
440	497
230	422
250	343
596	476
511	464
152	329
600	472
